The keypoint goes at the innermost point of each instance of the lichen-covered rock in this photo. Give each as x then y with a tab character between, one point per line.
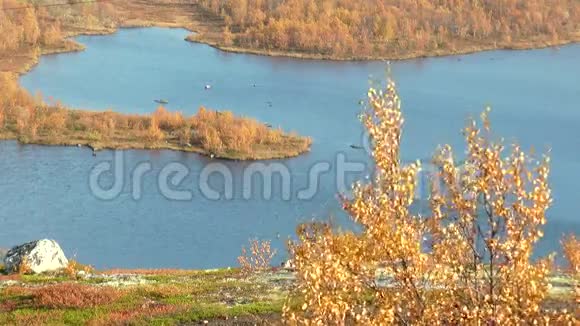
40	256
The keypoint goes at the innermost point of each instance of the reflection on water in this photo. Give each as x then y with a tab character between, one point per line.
45	191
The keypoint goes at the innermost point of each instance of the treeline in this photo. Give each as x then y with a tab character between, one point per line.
26	24
222	134
382	27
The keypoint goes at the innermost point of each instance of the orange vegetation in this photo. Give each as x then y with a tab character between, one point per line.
467	261
26	32
220	134
393	28
258	257
71	295
571	248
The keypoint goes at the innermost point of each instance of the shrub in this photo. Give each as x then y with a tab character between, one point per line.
55	121
51	35
467	262
571	249
184	136
258	258
168	121
153	133
94	135
74	267
24	266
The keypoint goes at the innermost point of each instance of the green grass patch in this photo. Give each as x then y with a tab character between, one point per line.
202	312
44	278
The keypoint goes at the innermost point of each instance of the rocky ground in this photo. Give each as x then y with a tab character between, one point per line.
164	297
76	294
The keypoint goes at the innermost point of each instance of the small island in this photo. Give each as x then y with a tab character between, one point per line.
217	134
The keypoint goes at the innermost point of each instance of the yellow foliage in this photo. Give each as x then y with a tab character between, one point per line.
55	121
216	131
24	266
153	133
467	262
571	248
51	34
386	28
168	120
74	267
258	258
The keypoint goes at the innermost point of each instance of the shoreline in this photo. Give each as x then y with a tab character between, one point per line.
69	45
410	56
259	156
201	36
196	36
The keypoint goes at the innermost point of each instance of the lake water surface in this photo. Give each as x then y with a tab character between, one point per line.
45	191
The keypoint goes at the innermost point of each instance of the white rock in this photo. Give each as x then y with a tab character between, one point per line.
288	265
41	256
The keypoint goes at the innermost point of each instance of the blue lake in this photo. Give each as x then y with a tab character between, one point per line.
45	191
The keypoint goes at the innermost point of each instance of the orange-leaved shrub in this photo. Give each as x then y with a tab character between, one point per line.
467	261
571	249
153	133
168	120
74	267
217	131
258	257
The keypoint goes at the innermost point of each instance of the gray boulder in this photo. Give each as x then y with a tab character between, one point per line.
41	256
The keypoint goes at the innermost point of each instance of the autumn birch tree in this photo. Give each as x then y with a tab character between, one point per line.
468	261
